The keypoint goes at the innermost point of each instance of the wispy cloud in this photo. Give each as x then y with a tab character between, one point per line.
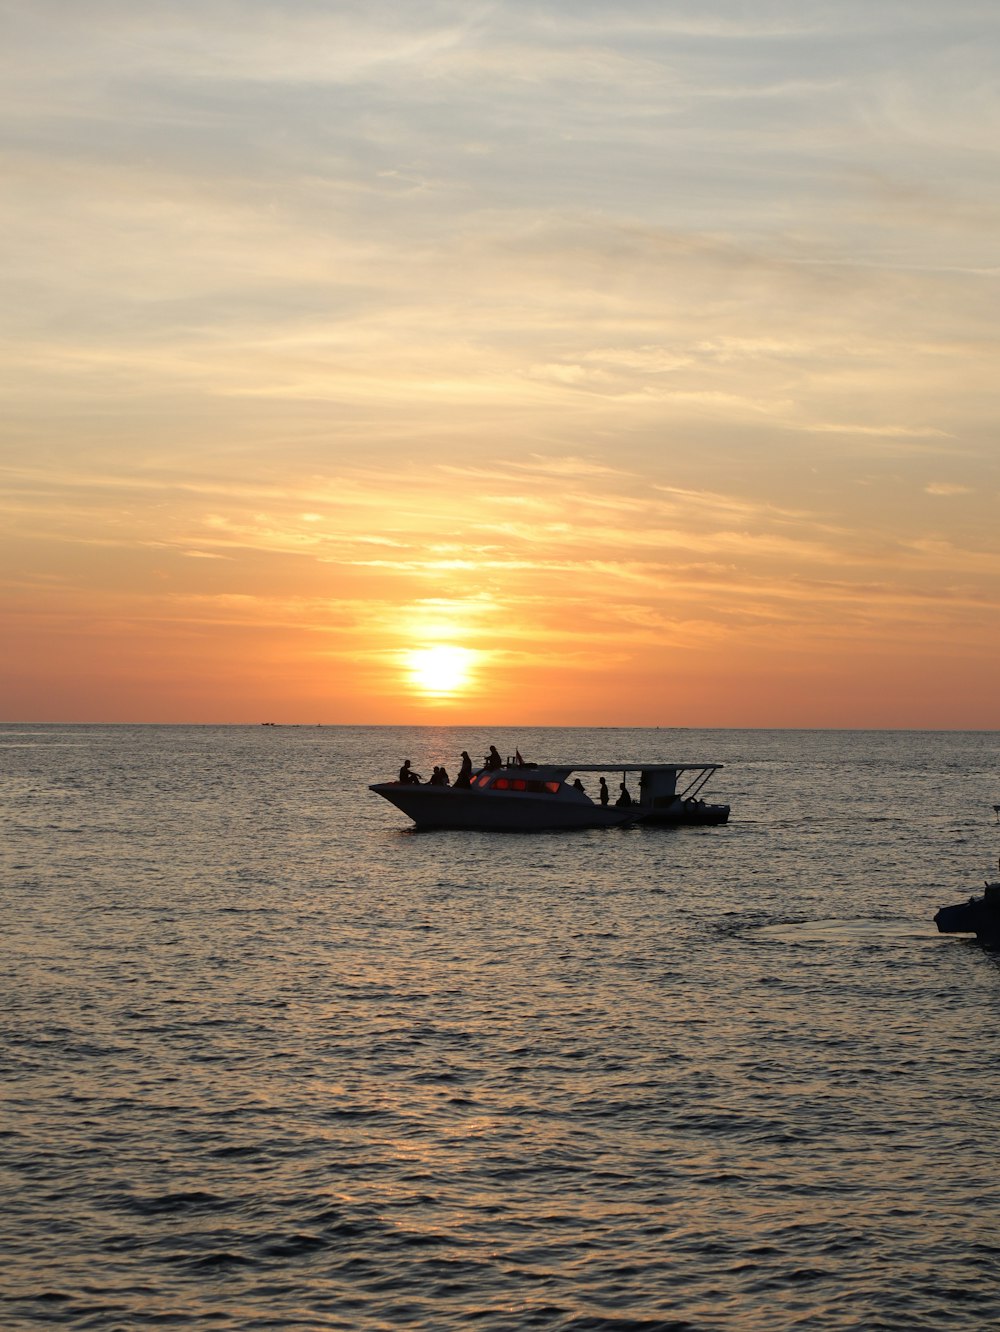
946	488
879	431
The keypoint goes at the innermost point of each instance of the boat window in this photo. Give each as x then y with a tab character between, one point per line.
535	786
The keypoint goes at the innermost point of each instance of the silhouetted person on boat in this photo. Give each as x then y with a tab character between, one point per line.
407	776
439	777
493	760
464	777
578	786
605	794
624	798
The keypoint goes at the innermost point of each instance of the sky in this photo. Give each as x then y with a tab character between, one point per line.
501	362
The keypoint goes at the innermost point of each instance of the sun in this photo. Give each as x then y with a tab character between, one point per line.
440	671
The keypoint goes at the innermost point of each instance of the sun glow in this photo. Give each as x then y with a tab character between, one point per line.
441	671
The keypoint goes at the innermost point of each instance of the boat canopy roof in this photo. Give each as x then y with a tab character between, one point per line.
620	767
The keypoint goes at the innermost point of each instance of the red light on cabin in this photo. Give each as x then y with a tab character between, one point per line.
517	784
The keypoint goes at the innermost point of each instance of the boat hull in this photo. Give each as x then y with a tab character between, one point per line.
456	807
460	807
686	814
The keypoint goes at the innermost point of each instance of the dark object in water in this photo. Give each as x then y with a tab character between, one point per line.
979	916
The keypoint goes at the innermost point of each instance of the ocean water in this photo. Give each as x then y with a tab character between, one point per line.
273	1060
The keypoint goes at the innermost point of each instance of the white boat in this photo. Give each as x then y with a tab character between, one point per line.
529	797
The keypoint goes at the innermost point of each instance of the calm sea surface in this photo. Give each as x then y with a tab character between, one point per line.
272	1060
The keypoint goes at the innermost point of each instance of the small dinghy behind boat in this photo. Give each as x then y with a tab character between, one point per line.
979	916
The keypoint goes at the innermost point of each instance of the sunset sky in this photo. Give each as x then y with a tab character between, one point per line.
501	362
